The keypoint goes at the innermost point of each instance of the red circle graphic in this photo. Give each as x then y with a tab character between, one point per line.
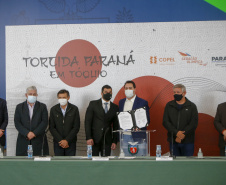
78	63
158	91
206	136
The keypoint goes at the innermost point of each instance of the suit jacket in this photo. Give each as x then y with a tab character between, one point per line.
220	122
3	119
64	127
97	122
37	125
138	103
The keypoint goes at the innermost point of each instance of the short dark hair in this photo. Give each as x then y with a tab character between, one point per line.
130	82
106	87
62	91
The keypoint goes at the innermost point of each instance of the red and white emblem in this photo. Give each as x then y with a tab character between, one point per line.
133	148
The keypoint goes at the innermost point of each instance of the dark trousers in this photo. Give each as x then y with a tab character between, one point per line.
222	151
98	148
182	149
70	151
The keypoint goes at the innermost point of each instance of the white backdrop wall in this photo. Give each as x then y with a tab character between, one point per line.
186	52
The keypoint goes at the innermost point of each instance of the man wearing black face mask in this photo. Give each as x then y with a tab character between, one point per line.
181	120
99	119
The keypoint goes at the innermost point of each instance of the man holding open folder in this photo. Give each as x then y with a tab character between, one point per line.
133	102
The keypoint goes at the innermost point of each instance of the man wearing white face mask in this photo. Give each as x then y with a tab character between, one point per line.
64	124
132	102
31	121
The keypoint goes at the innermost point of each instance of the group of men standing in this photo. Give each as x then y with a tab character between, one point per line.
31	120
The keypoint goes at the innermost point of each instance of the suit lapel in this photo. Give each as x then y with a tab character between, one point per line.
100	107
136	102
111	107
121	106
26	110
37	105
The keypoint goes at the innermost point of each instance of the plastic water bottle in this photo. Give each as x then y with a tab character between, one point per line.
89	151
29	151
200	154
1	153
158	151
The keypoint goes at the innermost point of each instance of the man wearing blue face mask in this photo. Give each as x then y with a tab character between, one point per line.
64	124
181	120
31	121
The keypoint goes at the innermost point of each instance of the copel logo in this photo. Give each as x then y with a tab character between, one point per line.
162	60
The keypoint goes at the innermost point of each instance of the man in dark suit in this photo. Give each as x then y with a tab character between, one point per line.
3	122
100	115
132	102
220	125
64	124
31	121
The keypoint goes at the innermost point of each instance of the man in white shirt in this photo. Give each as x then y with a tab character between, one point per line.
133	102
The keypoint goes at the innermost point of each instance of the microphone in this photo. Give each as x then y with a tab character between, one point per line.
104	141
43	139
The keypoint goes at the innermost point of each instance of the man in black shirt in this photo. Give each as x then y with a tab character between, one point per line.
181	119
64	124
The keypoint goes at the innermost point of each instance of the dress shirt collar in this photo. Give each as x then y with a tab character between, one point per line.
31	109
132	100
64	109
30	105
103	101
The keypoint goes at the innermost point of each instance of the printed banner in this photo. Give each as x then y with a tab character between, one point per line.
83	57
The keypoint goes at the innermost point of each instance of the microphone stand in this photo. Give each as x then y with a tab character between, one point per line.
30	131
104	141
171	153
43	139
